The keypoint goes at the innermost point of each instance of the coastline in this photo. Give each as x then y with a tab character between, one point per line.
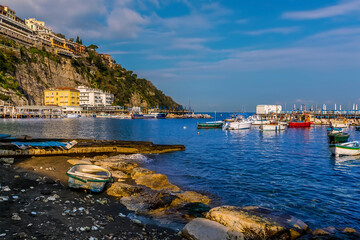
35	206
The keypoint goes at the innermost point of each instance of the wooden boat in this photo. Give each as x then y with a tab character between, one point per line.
299	124
346	149
88	176
338	137
214	124
274	126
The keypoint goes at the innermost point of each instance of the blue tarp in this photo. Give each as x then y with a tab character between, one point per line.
40	144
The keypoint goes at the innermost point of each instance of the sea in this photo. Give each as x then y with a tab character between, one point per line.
292	171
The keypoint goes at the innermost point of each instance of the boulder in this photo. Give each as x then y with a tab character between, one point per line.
120	190
119	175
7	160
190	197
157	182
320	232
126	167
258	222
193	210
78	161
139	171
204	229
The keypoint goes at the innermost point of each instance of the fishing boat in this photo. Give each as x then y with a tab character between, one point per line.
159	115
274	126
346	149
239	123
338	137
88	176
214	124
334	130
299	124
142	116
340	124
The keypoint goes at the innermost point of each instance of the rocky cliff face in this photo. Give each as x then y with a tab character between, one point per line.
26	72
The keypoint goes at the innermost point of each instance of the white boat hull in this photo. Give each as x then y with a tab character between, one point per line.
346	149
274	127
260	122
237	125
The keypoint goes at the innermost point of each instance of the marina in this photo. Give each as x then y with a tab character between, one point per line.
250	162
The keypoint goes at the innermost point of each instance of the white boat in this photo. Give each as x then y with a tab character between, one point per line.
73	115
239	123
273	127
346	149
334	130
88	176
260	122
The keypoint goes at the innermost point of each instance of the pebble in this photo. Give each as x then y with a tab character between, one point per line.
15	197
4	198
2	234
6	189
29	225
33	214
122	215
136	221
16	217
94	228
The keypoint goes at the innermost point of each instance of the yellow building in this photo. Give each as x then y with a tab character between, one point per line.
63	96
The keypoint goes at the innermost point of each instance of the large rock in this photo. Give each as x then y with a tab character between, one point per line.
204	229
120	190
79	161
119	175
126	167
139	171
257	222
190	197
157	182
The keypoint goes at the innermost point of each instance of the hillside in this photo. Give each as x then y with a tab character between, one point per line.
25	73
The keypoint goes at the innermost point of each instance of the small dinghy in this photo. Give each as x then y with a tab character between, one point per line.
346	149
88	176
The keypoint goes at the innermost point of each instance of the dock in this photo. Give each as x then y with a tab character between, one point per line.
85	147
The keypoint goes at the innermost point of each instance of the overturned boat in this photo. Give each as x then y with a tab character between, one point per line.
88	176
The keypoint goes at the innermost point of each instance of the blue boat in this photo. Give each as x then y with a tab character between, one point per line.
2	136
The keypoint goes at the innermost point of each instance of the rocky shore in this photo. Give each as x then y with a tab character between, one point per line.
37	204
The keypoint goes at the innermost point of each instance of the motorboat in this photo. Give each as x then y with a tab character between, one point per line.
274	126
239	123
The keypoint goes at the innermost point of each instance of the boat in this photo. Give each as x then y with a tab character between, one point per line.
214	124
299	124
274	126
88	176
73	115
239	123
338	137
346	149
334	130
159	115
257	120
4	136
142	116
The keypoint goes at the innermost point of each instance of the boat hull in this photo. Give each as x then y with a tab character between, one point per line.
261	122
238	125
338	137
345	149
274	127
207	125
88	177
299	124
339	125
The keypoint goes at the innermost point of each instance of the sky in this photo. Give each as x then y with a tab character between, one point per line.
227	55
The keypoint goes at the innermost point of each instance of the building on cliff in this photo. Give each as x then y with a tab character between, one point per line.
108	60
14	28
62	96
94	97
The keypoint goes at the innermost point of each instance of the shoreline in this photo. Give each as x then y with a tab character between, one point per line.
38	207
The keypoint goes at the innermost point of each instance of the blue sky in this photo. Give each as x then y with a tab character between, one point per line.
228	55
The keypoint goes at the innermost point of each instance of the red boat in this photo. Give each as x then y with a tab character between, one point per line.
299	124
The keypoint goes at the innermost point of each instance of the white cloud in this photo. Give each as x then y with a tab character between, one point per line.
331	11
272	30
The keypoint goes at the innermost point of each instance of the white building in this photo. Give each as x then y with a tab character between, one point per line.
266	109
94	97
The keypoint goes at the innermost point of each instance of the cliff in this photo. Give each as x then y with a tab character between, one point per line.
25	73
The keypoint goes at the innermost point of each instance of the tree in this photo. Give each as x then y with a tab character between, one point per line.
77	39
92	47
80	41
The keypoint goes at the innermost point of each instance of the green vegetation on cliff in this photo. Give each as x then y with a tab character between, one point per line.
129	90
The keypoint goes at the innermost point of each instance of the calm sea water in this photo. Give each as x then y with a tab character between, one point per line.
292	171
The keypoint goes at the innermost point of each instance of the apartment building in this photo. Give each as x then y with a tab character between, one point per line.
94	97
62	96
